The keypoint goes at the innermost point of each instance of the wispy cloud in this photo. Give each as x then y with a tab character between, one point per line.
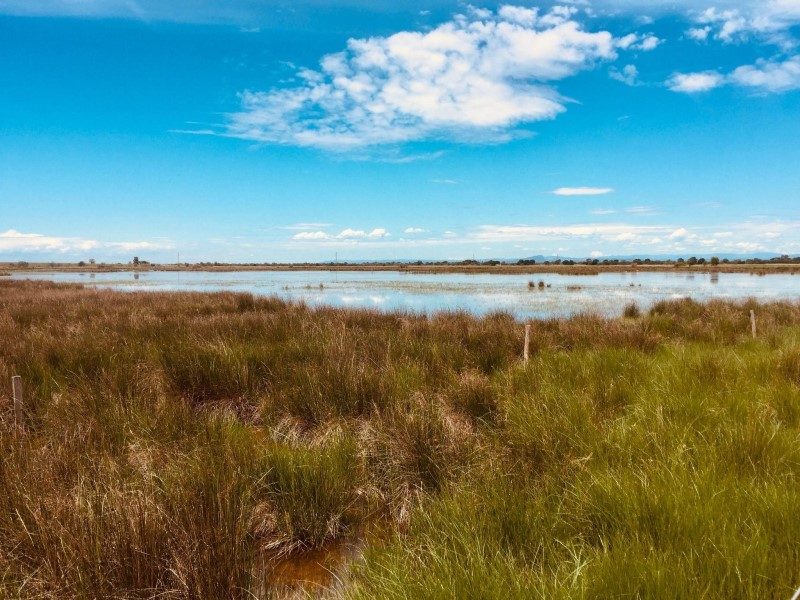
12	241
582	191
770	20
311	236
510	233
306	226
640	210
629	75
474	78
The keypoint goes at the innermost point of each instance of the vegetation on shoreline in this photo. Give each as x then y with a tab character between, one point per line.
567	267
201	446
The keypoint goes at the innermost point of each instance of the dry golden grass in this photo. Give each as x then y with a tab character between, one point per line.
210	445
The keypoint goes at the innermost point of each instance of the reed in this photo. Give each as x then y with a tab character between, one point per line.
185	446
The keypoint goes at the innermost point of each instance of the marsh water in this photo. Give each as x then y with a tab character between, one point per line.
562	295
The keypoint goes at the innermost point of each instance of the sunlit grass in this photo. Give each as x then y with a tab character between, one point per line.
176	446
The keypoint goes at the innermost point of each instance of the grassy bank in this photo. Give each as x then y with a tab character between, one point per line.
226	446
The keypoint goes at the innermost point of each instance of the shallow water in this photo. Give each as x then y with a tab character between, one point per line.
606	293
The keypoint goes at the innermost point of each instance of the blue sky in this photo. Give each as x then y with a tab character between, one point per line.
255	130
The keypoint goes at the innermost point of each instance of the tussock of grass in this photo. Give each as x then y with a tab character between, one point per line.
176	446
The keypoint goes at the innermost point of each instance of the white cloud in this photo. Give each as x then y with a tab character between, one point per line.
306	226
414	230
692	83
476	77
615	232
770	20
634	41
681	232
627	41
311	235
603	211
582	191
15	241
662	238
648	43
518	14
351	234
730	23
699	34
765	76
629	75
640	210
580	239
769	76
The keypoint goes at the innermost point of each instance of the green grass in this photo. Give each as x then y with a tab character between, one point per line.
180	446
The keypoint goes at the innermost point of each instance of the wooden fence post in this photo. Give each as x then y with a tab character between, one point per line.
526	349
753	323
16	385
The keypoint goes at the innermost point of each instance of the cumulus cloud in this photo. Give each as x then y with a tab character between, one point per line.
476	77
769	76
760	234
348	235
351	234
699	34
414	230
13	241
770	20
765	76
634	41
582	191
693	83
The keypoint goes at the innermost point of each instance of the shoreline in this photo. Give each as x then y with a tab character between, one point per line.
426	268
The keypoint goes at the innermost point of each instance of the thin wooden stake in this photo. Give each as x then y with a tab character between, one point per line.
16	385
753	323
526	349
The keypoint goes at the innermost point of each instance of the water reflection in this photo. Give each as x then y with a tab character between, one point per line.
557	296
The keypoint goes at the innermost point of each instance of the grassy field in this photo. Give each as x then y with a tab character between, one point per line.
221	446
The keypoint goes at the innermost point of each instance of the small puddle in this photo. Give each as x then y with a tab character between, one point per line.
314	570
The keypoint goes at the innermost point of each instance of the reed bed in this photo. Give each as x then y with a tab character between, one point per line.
202	446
